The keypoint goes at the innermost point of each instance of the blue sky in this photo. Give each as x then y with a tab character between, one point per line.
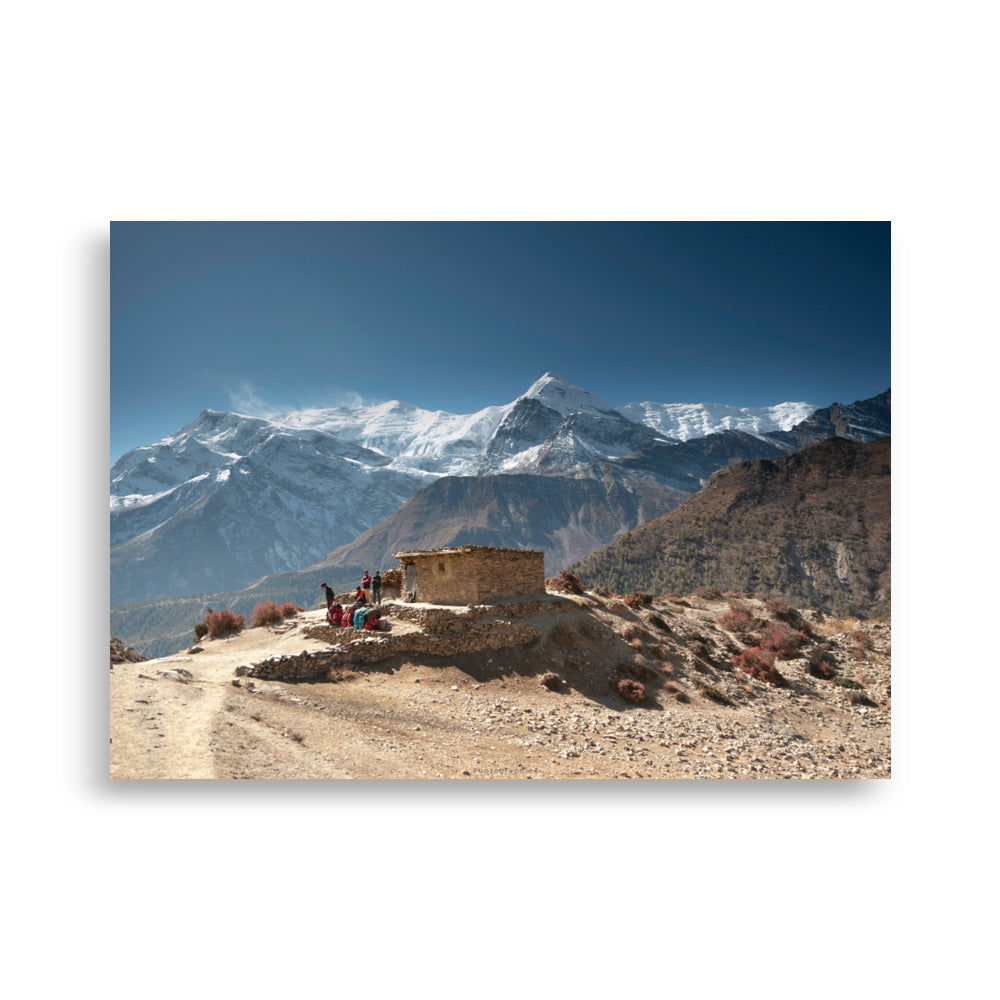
263	317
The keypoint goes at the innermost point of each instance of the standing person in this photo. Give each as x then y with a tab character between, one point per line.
366	586
377	587
330	596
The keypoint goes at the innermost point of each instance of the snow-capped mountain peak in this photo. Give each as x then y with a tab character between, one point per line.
563	397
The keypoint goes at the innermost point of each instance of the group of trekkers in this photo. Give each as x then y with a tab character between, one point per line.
363	612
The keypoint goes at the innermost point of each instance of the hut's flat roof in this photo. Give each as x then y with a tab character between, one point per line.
459	550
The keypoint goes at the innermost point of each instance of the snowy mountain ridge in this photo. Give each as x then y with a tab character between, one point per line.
230	497
690	420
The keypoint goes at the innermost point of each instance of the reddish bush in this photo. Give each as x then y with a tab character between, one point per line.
223	622
637	601
780	608
708	593
736	620
862	643
287	610
631	691
265	614
822	668
782	641
564	583
759	664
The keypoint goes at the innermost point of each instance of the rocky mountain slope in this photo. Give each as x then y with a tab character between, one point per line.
813	526
564	517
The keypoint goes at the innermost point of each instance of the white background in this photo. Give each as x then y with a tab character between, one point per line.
538	110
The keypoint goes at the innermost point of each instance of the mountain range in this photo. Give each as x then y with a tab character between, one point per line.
229	498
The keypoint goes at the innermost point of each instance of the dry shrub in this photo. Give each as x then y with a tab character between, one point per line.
708	593
564	583
223	622
784	642
631	690
759	664
713	694
288	610
862	644
820	666
860	698
659	623
780	608
265	614
551	680
636	601
736	620
632	631
678	600
862	638
699	647
681	697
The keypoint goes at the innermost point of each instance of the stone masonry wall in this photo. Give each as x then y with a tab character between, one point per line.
503	573
473	574
444	632
444	578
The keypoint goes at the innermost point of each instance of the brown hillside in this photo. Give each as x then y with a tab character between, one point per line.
813	527
563	517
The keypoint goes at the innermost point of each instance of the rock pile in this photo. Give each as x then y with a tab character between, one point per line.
120	653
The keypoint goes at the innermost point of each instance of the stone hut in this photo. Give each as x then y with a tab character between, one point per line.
471	574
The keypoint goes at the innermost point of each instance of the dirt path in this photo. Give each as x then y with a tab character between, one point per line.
164	724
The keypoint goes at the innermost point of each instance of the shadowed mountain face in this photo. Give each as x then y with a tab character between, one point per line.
813	526
563	517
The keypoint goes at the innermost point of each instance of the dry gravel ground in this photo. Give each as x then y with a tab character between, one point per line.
487	715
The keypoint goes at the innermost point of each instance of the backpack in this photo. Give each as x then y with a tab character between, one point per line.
359	618
334	614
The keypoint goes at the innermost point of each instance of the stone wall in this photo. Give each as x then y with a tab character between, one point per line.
442	632
472	574
503	573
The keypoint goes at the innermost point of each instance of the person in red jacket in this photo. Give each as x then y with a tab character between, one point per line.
366	586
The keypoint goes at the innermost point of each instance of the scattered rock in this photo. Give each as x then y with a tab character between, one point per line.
178	674
120	653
